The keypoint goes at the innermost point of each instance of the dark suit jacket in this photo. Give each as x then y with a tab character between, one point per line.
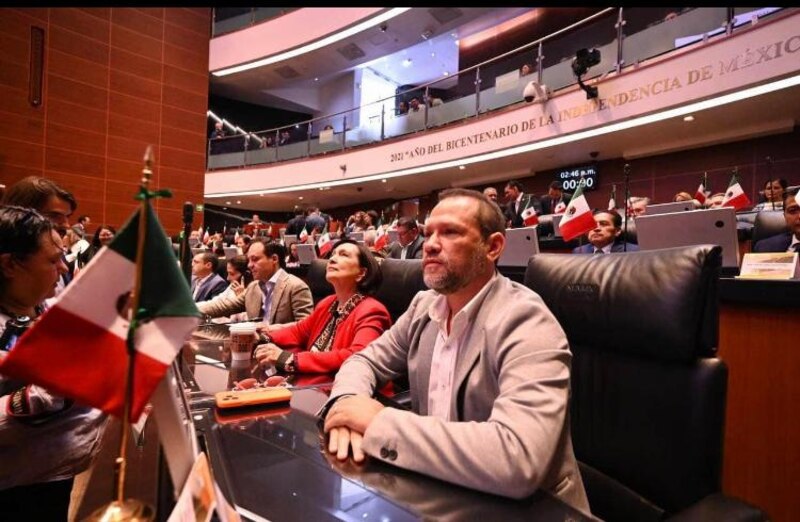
516	217
588	248
547	204
415	251
777	243
210	288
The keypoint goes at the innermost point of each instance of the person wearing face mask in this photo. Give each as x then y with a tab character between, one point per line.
340	325
45	440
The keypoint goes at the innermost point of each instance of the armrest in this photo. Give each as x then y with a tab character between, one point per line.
720	507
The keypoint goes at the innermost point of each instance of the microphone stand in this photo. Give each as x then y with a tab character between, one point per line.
769	181
627	172
185	250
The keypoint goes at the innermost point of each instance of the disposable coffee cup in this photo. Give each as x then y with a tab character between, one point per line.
243	340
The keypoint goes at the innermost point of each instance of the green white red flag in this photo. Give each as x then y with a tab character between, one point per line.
577	218
78	348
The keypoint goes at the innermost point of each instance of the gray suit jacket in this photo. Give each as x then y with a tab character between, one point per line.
510	398
291	301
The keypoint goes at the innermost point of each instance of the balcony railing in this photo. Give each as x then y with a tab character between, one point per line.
491	85
227	20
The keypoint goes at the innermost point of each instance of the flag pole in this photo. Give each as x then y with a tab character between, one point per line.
120	508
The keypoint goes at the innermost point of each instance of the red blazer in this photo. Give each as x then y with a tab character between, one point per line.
365	323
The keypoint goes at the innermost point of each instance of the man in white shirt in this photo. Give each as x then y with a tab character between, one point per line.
409	240
604	237
206	284
488	365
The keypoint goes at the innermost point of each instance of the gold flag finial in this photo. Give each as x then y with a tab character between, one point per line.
147	171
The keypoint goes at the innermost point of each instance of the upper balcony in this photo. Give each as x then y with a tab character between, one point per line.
740	70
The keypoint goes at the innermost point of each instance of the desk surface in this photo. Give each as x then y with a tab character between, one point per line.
269	462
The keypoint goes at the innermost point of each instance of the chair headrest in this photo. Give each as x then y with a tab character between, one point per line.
402	279
768	223
657	304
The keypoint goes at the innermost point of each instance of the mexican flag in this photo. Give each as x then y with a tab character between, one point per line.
735	196
304	235
324	243
560	208
612	199
381	240
529	217
578	218
78	347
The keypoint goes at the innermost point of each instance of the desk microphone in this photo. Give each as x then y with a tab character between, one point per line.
627	171
185	249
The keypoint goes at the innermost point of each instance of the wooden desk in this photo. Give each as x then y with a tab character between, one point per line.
758	340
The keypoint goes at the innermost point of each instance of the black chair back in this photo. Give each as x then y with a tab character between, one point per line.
768	223
648	395
402	279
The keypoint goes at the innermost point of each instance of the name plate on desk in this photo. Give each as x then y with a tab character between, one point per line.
772	265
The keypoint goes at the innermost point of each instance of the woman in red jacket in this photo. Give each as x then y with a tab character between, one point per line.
340	325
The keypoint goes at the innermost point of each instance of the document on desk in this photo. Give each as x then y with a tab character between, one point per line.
771	265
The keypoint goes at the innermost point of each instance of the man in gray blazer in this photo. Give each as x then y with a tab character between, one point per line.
409	241
288	297
489	368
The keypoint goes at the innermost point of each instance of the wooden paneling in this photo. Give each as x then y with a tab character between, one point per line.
105	79
762	438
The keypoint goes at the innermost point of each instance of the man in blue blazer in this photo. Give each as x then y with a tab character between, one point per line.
788	241
604	237
206	284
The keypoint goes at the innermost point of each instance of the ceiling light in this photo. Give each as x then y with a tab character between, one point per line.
455	42
301	197
433	55
319	44
227	202
262	194
461	167
407	62
445	73
725	99
383	180
238	202
316	79
688	118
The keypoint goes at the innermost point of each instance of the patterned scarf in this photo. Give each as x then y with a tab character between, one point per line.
337	314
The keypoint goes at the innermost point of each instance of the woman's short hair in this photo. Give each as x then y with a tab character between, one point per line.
373	276
21	230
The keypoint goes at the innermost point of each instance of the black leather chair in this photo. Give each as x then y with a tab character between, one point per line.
768	223
648	394
402	279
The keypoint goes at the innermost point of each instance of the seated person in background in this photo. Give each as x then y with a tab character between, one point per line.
341	324
206	284
243	244
773	195
402	108
274	295
556	200
413	105
491	193
788	241
682	196
238	277
525	70
409	241
45	440
219	131
285	138
433	101
102	237
604	237
492	411
637	206
292	259
716	200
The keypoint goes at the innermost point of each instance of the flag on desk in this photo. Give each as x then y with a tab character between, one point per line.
560	208
578	217
324	243
303	235
529	217
735	196
78	348
382	239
